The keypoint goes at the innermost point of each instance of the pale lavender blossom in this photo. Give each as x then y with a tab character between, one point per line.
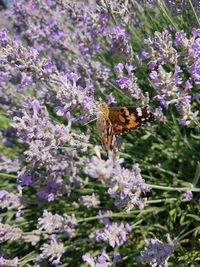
8	232
111	99
50	163
102	260
89	201
73	95
128	83
166	82
184	107
11	201
4	35
9	165
172	87
160	49
26	179
195	71
22	66
120	41
125	186
188	195
6	262
99	168
52	251
157	253
63	224
114	233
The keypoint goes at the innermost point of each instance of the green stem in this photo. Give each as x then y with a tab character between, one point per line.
188	233
195	14
169	188
121	214
110	11
161	200
168	17
7	175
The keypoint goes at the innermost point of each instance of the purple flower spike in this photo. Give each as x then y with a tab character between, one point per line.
157	253
3	35
114	234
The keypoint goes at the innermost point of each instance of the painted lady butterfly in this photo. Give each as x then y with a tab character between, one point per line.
113	121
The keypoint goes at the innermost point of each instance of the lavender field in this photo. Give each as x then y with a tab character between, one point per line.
74	190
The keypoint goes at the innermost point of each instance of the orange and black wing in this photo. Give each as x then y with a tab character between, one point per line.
124	119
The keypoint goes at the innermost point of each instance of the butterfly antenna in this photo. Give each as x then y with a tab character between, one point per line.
89	122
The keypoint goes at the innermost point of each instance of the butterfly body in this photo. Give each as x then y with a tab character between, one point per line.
113	121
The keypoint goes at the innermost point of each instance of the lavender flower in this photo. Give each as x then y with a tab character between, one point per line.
184	107
10	263
120	41
11	201
99	168
188	195
74	95
128	83
21	66
9	165
114	234
195	71
50	163
63	224
157	253
160	49
90	200
8	232
102	260
171	86
166	82
53	251
124	186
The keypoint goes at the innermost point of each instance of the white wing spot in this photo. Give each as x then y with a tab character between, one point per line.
139	111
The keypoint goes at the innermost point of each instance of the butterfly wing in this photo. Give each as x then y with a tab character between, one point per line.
124	119
105	130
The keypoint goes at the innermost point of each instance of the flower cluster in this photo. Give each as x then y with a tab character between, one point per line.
128	83
11	201
73	95
8	232
89	201
120	42
44	139
56	223
5	262
52	251
19	65
114	233
124	185
157	253
102	260
167	58
9	165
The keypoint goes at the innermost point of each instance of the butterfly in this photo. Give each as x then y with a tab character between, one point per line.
114	121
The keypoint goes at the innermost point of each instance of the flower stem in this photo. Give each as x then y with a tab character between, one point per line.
195	14
169	188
